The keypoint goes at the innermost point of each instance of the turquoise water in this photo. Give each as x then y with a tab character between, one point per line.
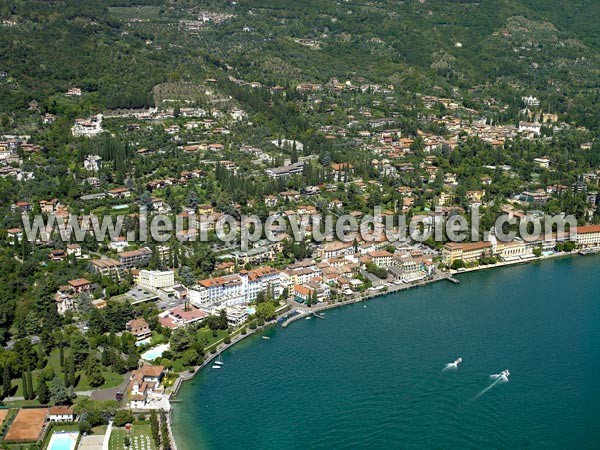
63	441
372	377
155	352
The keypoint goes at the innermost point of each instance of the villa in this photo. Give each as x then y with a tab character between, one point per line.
145	388
139	328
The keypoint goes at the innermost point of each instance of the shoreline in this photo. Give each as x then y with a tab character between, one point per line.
447	276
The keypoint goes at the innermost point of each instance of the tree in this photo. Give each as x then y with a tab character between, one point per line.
30	392
458	264
123	417
6	382
93	371
66	379
84	427
154	427
59	394
164	432
24	383
61	354
42	391
180	340
265	311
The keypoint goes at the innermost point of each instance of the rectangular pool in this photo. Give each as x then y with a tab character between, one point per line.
63	440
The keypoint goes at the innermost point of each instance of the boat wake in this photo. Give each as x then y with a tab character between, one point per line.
498	378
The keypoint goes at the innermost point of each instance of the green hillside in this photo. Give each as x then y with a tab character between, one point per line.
118	53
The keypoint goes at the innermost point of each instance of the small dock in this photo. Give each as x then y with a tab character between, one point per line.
318	316
453	280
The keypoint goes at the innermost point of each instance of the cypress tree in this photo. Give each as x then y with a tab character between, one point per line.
6	382
30	393
40	355
72	378
42	391
61	354
154	427
3	392
24	382
66	373
105	358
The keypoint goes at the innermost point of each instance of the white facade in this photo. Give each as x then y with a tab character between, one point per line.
87	128
92	163
156	279
588	236
236	289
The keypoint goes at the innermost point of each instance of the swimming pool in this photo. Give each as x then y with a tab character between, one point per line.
63	441
143	342
155	352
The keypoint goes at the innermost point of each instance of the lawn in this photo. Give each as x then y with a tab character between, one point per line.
138	432
208	335
157	339
112	379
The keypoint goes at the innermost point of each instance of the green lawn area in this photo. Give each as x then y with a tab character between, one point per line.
157	339
208	335
210	341
117	437
112	379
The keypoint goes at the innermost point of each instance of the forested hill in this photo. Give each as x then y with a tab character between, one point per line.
117	51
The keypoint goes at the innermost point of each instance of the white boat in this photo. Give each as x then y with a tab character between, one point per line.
216	366
308	318
453	365
266	337
503	375
219	362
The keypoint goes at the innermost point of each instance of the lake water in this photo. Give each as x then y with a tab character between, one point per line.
372	377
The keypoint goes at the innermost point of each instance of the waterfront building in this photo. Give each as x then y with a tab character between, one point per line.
468	252
588	236
236	289
145	388
236	315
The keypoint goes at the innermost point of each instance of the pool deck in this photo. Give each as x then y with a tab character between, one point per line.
158	350
59	434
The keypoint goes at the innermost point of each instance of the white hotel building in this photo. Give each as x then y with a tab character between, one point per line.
235	289
588	236
156	279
